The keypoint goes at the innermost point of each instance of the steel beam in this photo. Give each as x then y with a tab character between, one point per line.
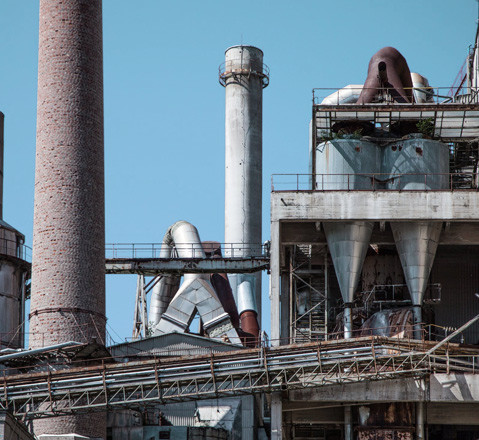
156	266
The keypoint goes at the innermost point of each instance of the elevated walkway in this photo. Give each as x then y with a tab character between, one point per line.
283	368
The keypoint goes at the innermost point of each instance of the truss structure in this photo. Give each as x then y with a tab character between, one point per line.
99	387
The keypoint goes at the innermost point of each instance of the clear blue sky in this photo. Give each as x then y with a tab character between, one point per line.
164	108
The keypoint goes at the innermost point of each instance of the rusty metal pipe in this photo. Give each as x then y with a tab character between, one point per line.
388	69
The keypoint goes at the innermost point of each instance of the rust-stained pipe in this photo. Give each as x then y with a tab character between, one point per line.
248	313
388	69
221	283
249	324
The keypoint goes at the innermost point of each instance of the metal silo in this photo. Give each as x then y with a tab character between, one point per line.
13	275
348	243
417	164
347	164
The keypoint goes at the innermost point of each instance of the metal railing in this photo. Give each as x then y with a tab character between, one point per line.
152	250
375	182
15	249
432	95
236	67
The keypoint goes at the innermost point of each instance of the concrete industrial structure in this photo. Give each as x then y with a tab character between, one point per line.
373	265
380	239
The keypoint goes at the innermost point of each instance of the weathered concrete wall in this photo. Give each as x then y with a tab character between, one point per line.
12	429
388	205
452	388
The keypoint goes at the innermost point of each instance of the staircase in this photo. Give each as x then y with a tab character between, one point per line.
310	320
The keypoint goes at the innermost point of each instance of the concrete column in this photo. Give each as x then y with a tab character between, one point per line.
68	272
243	77
276	417
274	294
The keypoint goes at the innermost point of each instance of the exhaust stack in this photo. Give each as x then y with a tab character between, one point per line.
68	271
244	77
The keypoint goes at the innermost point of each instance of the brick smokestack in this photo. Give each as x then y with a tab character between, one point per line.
68	274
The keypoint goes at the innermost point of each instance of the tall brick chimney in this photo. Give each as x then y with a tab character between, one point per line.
68	274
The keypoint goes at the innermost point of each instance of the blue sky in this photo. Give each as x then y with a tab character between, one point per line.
164	108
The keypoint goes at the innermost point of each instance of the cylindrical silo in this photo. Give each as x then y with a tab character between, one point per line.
417	164
347	164
68	273
13	274
244	76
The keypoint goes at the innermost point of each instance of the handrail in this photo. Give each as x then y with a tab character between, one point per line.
435	95
375	182
152	250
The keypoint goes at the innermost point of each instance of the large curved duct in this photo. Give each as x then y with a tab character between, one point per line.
166	287
196	293
388	69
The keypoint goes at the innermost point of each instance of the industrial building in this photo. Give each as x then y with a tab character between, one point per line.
373	265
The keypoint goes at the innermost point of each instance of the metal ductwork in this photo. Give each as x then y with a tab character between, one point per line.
417	243
165	289
348	243
388	70
248	313
196	294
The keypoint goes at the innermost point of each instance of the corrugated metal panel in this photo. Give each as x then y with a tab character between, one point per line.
457	270
172	345
452	414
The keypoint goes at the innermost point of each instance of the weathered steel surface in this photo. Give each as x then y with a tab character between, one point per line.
156	266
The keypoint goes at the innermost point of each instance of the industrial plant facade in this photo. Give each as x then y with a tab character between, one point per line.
373	265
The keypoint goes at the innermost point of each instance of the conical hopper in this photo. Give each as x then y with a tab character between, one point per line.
416	243
348	243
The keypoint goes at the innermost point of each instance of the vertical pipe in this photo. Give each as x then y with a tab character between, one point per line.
326	292
2	120
420	433
348	321
274	295
417	316
244	79
68	272
348	423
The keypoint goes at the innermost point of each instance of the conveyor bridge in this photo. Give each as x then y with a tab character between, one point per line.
244	371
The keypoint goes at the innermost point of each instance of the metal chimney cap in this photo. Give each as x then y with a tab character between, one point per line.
248	46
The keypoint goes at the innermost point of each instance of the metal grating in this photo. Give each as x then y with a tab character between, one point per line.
452	122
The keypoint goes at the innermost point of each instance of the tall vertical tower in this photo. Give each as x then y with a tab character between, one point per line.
68	273
244	76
